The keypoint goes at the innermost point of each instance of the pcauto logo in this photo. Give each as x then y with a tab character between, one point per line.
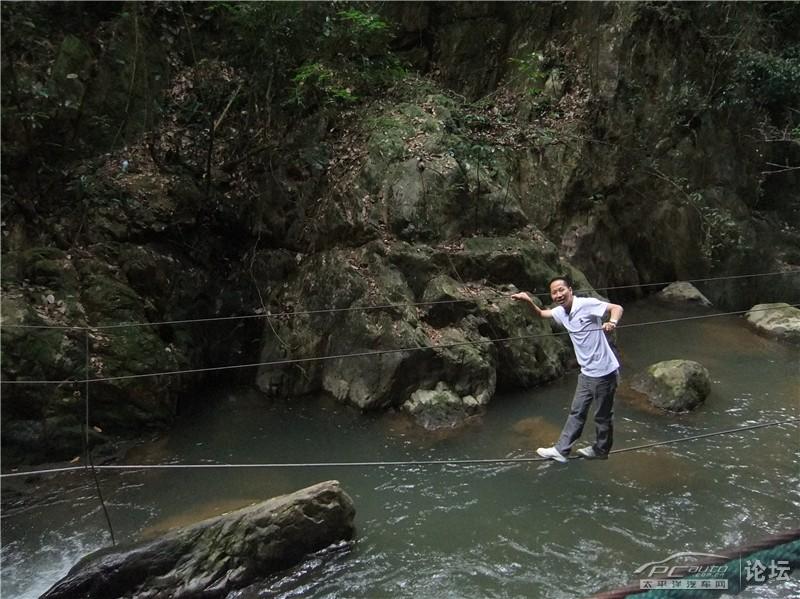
663	568
703	574
668	573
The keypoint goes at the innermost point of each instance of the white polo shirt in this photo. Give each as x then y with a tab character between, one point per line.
584	323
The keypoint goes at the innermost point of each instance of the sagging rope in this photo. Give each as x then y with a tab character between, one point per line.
783	547
397	463
290	361
368	308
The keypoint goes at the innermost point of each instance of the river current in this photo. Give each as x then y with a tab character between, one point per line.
527	530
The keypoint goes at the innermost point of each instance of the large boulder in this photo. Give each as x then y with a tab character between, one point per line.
683	292
219	555
674	385
531	354
776	320
460	316
334	291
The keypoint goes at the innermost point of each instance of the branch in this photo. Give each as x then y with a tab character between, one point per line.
782	168
224	112
133	74
212	135
770	134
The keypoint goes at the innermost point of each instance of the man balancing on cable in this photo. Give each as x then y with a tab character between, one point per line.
583	319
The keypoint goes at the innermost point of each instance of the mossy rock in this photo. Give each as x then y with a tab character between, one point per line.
674	385
386	145
339	279
31	414
372	381
350	279
37	353
389	132
59	354
779	320
48	267
111	302
415	262
470	364
503	260
440	407
534	356
448	302
430	180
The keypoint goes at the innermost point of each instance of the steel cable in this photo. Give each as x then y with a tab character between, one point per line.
363	308
381	352
396	463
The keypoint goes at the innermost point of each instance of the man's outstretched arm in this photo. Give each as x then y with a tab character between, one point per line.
524	297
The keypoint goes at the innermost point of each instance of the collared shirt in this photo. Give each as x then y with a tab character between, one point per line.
583	323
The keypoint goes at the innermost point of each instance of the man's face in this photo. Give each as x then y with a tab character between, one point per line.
560	293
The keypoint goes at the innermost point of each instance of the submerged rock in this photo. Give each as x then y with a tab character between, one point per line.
674	385
682	291
777	320
219	555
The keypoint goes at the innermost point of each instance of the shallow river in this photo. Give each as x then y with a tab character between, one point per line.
524	530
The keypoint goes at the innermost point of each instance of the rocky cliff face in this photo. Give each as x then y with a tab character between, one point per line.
153	173
653	155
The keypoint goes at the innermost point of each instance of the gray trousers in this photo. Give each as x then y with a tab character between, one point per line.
601	390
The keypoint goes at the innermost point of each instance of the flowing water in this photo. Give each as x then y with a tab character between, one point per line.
505	530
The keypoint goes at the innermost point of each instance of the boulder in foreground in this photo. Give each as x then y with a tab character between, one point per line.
219	555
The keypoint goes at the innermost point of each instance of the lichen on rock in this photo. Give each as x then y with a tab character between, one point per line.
674	385
220	555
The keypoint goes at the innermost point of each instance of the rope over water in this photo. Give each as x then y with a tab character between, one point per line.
398	463
368	308
365	354
789	551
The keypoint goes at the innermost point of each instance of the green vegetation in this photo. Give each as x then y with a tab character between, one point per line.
313	54
530	70
771	80
722	233
322	81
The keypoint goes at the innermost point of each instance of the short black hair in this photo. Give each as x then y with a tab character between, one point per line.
564	278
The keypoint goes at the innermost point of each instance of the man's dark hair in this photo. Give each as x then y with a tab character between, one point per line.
564	278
